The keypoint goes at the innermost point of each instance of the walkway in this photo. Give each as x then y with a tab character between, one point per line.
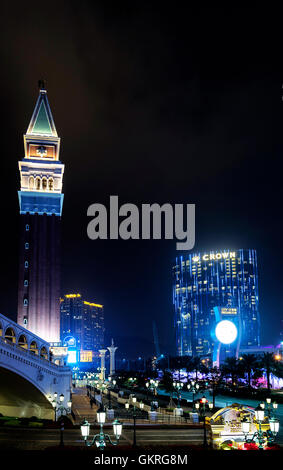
81	406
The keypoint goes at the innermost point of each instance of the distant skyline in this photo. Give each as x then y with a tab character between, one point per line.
171	105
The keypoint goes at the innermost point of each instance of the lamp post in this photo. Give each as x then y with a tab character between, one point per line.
178	387
258	435
62	434
273	431
111	385
152	385
134	416
101	438
201	407
193	387
132	381
147	385
58	405
270	405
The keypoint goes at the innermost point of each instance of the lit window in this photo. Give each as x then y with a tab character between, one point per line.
27	227
26	246
31	182
26	283
50	184
26	264
44	184
25	302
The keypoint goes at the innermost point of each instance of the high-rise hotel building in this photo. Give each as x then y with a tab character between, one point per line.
84	321
41	203
224	279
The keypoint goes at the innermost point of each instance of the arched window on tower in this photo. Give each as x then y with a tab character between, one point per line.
37	183
44	183
51	184
31	182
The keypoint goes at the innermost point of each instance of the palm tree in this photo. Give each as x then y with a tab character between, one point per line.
215	379
269	365
198	366
230	368
248	364
178	363
167	381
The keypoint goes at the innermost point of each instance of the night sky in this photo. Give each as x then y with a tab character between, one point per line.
153	105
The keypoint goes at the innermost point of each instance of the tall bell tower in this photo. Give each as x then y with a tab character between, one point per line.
41	203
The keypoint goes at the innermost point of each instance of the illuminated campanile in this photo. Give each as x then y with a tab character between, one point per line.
41	202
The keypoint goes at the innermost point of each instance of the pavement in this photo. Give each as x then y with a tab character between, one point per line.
81	406
40	439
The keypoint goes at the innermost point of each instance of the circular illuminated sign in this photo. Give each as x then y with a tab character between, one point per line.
226	331
69	341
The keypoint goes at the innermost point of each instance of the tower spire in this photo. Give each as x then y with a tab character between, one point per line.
41	84
42	122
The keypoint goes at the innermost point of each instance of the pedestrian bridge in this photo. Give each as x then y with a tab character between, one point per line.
27	374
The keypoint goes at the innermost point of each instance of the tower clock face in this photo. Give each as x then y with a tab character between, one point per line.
226	332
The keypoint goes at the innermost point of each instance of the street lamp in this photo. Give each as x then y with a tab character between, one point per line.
152	385
58	405
258	435
100	439
246	427
193	387
135	414
273	431
178	387
201	406
269	405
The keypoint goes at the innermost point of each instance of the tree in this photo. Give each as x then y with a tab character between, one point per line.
167	381
198	366
248	364
215	379
178	363
231	368
269	365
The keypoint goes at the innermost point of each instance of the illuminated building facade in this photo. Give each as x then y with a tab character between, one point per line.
84	321
227	280
41	203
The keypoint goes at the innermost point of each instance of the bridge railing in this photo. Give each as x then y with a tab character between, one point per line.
31	355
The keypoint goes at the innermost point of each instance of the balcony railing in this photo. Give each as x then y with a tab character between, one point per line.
32	355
